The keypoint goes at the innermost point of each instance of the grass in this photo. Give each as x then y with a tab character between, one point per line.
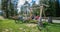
10	25
55	27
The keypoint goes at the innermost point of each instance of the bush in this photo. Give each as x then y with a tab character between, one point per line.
45	24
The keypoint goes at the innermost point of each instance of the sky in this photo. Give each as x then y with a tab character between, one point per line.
59	1
21	2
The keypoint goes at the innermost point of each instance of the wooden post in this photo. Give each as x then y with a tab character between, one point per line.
44	15
40	20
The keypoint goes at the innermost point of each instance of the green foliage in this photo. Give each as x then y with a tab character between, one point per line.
51	10
8	8
36	12
45	24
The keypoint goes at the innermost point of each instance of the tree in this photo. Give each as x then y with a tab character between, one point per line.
5	7
8	8
25	9
13	12
36	9
52	8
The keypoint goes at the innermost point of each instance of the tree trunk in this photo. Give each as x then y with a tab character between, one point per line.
50	19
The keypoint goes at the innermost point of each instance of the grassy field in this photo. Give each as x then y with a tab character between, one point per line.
11	26
55	27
